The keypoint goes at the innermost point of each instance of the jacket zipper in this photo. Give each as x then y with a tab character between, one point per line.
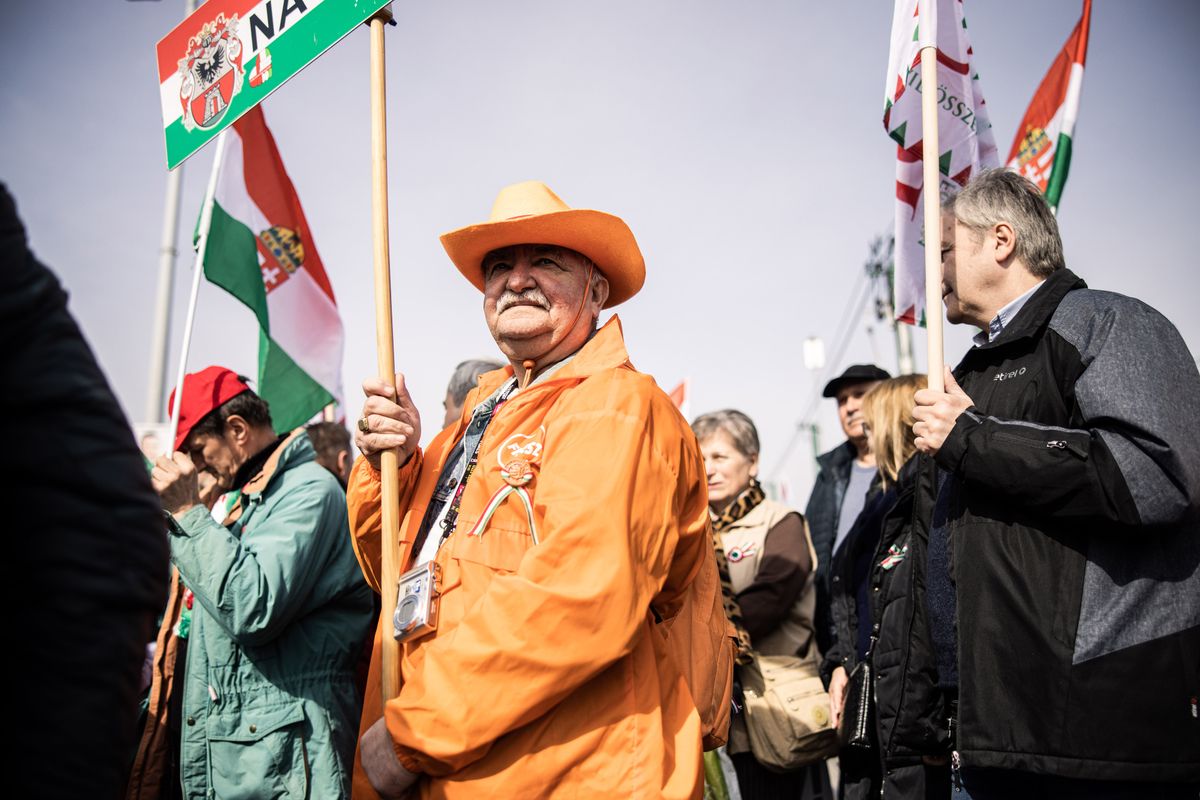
1063	444
1051	444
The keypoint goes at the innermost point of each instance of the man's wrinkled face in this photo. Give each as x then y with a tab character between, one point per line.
214	455
967	274
849	403
533	292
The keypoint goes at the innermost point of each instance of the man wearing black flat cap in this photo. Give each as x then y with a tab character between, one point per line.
845	475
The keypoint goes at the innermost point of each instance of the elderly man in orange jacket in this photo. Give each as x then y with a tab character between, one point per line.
580	649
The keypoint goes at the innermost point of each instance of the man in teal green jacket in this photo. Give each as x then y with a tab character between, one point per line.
280	611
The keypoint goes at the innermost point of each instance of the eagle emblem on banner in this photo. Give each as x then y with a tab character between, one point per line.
210	73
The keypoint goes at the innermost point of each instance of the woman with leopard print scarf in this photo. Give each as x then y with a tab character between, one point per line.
767	566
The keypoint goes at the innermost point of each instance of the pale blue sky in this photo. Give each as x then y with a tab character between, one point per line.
741	141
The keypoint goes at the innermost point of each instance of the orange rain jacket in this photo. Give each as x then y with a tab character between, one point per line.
549	673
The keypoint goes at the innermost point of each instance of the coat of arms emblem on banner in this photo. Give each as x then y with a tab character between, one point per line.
283	254
210	72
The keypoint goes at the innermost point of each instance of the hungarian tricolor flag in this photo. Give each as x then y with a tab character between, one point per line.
1041	150
964	132
260	250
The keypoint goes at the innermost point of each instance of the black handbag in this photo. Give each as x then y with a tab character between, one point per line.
856	729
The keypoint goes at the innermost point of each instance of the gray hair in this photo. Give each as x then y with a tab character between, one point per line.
1001	195
465	376
739	427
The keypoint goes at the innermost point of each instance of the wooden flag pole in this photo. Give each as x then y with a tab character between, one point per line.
389	466
931	185
206	212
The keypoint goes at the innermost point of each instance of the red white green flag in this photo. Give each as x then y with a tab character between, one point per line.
964	132
1041	150
681	397
260	250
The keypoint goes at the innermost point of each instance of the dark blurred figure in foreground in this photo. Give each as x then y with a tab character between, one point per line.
91	561
331	440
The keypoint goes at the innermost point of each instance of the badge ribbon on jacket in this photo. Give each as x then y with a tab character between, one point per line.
518	457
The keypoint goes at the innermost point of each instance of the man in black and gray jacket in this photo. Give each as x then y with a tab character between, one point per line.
1062	582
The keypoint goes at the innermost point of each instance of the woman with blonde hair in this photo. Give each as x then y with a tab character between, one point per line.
887	413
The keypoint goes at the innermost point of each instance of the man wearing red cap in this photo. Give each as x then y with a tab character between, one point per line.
278	611
581	648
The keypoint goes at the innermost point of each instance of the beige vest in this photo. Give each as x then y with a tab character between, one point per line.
743	543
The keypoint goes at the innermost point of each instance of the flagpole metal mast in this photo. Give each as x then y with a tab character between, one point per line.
167	251
206	212
931	185
389	462
162	307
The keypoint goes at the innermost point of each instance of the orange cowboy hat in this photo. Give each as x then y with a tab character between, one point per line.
530	213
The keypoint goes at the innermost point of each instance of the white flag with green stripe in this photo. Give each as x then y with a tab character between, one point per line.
965	141
260	249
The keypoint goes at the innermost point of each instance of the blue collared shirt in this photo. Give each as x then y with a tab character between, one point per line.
1003	317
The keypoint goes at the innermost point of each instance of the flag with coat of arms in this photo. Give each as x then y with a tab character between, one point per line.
261	250
965	138
1042	148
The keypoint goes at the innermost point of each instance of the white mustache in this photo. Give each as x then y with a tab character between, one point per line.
511	298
